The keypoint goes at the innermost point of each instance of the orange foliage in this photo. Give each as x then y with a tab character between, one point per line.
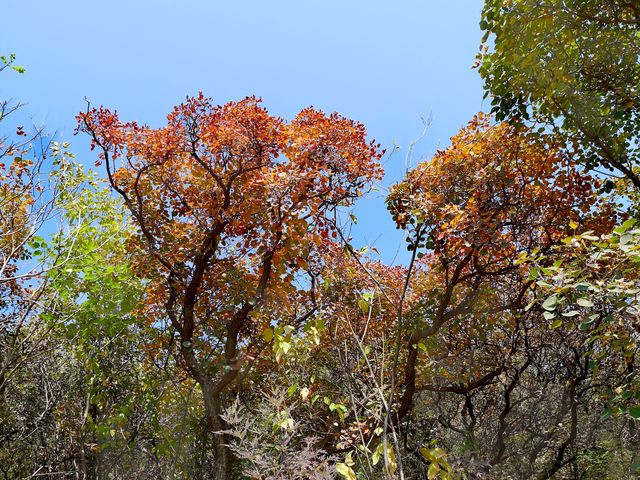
497	191
497	194
230	201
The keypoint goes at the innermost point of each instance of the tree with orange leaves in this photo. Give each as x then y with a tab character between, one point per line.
229	202
496	195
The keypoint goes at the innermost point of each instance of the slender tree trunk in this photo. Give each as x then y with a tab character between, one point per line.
213	409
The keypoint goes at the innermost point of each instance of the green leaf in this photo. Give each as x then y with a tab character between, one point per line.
584	302
584	326
550	303
629	223
556	324
375	458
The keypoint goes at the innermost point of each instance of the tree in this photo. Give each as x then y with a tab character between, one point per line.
229	202
77	383
595	290
573	65
34	190
494	195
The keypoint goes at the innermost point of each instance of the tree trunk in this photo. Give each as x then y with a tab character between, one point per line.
213	410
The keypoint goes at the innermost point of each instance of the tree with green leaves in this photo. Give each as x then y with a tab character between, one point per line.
570	65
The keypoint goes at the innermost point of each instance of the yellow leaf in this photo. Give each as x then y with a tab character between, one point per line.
267	334
433	471
346	471
426	453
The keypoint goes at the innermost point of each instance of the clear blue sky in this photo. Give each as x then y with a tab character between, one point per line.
384	63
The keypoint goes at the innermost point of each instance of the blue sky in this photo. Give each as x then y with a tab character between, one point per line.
384	63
